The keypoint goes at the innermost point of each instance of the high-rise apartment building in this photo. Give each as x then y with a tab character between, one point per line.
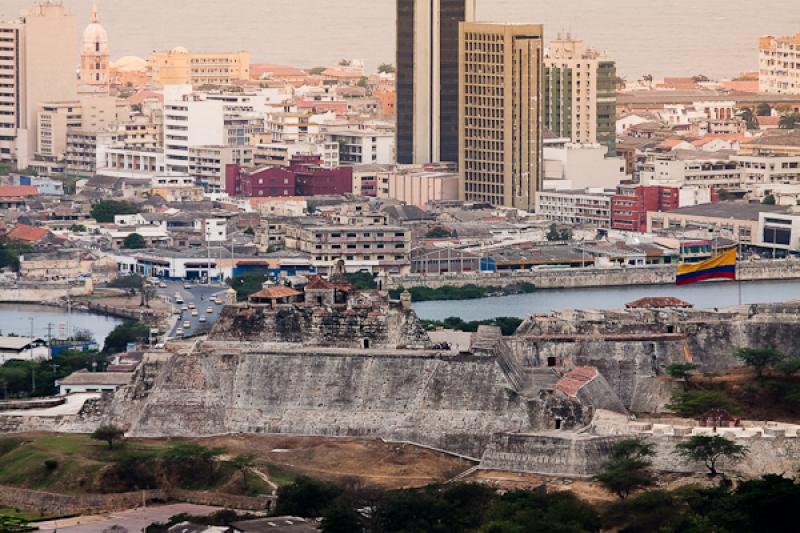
37	65
427	78
779	65
500	126
580	93
200	119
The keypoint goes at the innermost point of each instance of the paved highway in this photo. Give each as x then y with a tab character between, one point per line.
202	296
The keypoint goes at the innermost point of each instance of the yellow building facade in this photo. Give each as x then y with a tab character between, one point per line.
181	67
500	119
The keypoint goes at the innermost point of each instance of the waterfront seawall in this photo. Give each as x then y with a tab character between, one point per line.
43	292
573	278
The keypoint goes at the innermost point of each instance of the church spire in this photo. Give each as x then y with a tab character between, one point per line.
94	12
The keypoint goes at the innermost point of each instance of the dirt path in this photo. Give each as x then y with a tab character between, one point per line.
265	478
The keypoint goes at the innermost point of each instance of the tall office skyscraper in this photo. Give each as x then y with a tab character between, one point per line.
427	78
37	65
500	126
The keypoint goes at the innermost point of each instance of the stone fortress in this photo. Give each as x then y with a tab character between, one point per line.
327	360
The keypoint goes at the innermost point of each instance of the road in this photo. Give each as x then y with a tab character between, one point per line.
133	520
202	296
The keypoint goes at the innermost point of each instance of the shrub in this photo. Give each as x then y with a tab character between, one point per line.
693	403
50	464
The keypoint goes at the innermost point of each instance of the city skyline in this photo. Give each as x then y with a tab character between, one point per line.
660	39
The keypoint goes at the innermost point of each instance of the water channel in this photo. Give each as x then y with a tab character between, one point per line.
702	295
16	319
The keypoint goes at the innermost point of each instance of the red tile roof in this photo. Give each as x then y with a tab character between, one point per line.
274	293
141	96
574	380
23	232
15	191
319	283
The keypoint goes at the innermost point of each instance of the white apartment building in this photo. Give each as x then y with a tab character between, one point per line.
363	145
779	64
81	152
700	169
768	170
119	161
196	119
38	58
207	163
685	115
779	231
581	166
280	153
575	207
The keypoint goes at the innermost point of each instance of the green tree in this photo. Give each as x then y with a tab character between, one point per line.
649	511
341	518
128	331
105	210
628	468
243	463
749	118
10	253
249	282
192	465
249	231
693	403
768	199
361	280
789	121
362	82
710	451
306	497
316	71
554	233
763	109
438	232
681	372
386	68
789	367
108	433
77	228
759	358
531	511
134	241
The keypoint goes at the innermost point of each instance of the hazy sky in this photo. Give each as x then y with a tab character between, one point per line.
672	37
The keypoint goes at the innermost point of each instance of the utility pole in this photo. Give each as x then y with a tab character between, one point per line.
50	347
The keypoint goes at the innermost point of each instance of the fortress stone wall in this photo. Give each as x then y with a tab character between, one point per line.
454	403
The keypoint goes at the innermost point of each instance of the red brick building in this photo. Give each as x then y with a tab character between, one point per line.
630	205
305	176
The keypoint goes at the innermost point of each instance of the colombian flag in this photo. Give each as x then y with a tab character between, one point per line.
722	266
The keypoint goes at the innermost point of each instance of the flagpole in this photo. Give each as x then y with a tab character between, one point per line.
738	278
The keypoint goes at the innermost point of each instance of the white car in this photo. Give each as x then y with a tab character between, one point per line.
179	332
202	319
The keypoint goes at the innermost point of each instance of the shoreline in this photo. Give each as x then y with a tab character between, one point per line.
706	295
591	277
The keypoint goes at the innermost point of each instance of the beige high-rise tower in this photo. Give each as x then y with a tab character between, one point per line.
95	55
500	123
39	62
